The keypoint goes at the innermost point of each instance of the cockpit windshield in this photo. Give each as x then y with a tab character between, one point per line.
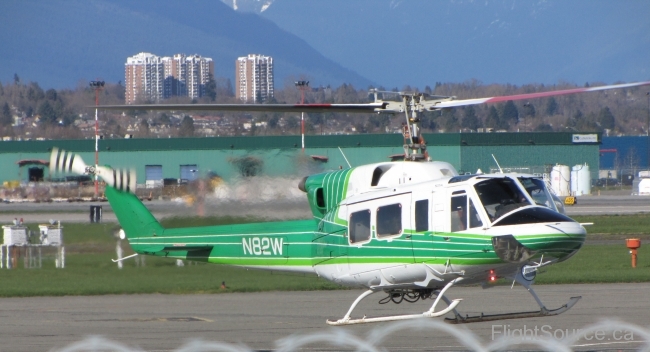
500	196
540	194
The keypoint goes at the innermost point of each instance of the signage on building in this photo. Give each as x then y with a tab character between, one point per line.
585	138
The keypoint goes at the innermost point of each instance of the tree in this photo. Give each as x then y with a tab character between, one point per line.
35	93
273	121
292	123
48	115
606	119
575	120
551	107
164	119
345	94
143	127
16	79
5	118
493	120
379	121
470	121
529	110
187	127
448	120
211	88
544	127
51	94
510	112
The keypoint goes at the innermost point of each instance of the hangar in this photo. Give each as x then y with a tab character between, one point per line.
230	157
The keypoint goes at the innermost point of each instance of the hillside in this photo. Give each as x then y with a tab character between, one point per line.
60	44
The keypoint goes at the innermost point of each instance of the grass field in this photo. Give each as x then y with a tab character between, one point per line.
635	224
90	247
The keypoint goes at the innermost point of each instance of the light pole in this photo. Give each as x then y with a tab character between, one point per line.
97	86
302	85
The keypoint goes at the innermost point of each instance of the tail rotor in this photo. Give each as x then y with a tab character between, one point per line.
62	161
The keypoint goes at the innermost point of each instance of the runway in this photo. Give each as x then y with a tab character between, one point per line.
258	320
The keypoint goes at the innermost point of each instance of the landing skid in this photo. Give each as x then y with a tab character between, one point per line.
540	313
346	320
451	306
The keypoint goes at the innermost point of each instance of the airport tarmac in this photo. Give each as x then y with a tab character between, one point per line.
260	320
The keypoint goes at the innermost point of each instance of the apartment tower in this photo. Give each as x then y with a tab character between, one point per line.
144	75
254	78
149	77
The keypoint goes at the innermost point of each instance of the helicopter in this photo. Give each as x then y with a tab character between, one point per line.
412	228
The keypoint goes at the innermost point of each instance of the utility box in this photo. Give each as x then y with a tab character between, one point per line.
15	235
51	235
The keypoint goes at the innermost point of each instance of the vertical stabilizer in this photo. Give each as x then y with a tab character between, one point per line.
134	217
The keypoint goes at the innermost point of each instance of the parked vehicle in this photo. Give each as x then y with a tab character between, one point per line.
607	182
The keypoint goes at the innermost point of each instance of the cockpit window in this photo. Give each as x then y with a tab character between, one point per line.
500	196
538	191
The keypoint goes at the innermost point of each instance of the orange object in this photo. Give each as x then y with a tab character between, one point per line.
633	244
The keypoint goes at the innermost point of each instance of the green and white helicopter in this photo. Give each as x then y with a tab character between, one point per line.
412	228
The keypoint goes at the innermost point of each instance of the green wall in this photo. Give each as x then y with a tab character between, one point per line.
282	155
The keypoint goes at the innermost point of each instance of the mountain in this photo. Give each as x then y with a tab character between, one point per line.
59	44
421	42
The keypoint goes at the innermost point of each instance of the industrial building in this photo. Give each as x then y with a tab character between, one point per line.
229	157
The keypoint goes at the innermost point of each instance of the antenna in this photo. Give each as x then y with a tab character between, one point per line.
499	166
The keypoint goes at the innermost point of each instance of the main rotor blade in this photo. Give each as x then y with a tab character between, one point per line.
465	102
358	108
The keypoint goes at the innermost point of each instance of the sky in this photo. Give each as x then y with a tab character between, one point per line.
420	42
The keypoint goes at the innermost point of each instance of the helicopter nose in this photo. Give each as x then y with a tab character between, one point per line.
559	240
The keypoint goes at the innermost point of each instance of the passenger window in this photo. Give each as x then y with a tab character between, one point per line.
459	213
474	218
422	215
389	220
460	216
359	226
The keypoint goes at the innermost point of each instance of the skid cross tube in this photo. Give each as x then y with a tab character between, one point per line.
346	320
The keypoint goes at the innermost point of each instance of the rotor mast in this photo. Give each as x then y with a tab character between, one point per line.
415	147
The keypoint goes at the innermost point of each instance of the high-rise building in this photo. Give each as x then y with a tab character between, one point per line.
254	78
144	78
198	74
149	77
175	75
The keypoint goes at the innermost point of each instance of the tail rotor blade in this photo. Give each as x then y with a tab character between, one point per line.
121	179
62	161
67	162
